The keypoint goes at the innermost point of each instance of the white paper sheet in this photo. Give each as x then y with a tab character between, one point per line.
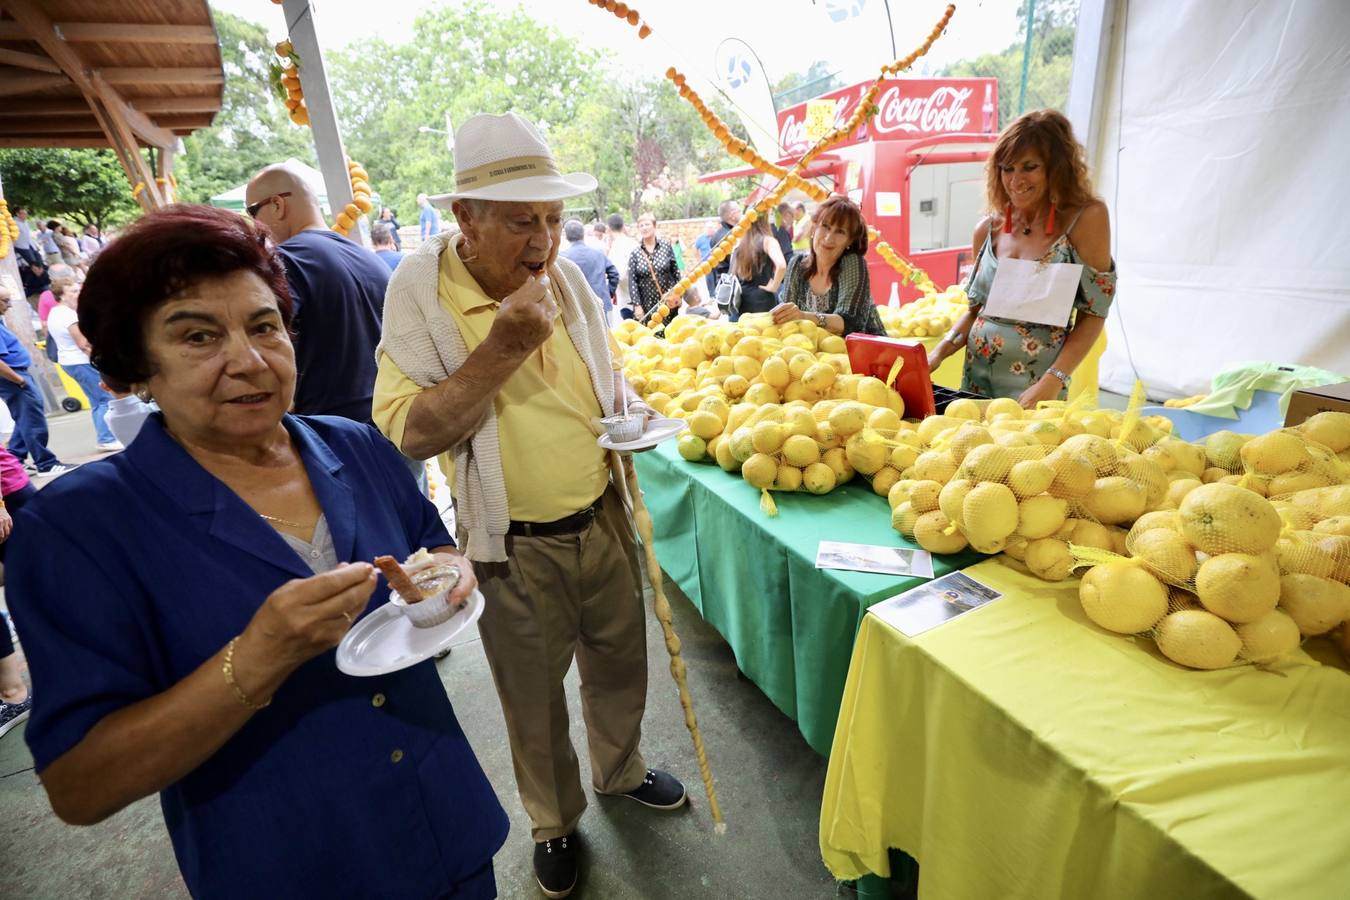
874	558
1029	291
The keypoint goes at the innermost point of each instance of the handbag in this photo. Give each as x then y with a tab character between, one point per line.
660	291
727	293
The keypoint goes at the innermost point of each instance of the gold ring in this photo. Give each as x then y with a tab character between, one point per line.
348	616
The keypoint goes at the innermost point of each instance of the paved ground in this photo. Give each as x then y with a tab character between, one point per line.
769	784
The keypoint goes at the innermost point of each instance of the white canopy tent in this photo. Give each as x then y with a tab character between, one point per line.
234	198
1217	139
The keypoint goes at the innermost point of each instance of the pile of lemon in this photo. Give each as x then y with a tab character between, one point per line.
932	315
777	404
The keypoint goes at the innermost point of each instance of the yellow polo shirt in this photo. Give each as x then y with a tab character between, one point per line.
550	460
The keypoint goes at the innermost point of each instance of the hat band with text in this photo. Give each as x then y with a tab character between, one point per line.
505	170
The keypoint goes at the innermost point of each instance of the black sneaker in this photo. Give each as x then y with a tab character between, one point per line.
12	714
555	865
659	790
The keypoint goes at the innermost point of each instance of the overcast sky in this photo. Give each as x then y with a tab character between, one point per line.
786	34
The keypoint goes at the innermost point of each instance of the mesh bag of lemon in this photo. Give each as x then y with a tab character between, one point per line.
995	478
1229	576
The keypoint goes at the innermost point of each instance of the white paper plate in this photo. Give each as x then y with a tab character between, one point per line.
386	640
657	431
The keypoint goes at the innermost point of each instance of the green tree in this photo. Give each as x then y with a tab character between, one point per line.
84	186
465	59
473	58
251	130
1049	65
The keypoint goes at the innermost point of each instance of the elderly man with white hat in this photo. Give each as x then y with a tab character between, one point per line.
497	357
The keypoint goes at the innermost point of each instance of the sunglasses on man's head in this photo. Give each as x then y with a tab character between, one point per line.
253	210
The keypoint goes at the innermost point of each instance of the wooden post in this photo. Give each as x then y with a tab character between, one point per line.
322	115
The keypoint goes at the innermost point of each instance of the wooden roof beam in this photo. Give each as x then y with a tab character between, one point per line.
153	75
88	125
12	85
75	143
28	61
119	33
205	103
56	106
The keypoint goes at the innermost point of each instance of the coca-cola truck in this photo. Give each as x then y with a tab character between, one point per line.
916	169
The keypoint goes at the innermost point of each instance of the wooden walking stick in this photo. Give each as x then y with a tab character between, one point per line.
661	606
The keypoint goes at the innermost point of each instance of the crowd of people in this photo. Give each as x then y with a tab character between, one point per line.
278	388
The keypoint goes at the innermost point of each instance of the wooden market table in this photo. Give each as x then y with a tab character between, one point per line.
754	578
1019	751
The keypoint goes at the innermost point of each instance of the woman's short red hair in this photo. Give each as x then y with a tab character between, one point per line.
156	258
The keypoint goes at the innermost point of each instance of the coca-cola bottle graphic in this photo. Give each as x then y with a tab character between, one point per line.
987	110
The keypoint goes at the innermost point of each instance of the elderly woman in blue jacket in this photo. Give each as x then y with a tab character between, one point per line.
185	643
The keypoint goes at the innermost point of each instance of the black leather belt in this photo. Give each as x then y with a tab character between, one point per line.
576	522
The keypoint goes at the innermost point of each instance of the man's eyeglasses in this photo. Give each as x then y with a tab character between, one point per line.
253	210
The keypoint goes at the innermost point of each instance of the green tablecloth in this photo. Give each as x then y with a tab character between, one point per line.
754	578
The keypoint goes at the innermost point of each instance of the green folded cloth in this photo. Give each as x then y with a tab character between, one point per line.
1234	387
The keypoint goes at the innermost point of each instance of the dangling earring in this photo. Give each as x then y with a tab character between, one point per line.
142	393
1050	220
1007	220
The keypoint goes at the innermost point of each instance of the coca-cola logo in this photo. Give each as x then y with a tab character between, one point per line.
941	112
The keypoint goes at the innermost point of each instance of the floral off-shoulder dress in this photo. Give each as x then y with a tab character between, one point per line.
1004	357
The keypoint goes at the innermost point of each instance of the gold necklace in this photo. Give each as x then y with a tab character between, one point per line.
288	523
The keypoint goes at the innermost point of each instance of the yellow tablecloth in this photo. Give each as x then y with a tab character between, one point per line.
1019	751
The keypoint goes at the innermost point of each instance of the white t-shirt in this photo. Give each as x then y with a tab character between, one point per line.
619	250
68	353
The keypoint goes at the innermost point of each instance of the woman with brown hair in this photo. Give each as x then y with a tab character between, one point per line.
759	265
180	602
829	283
1053	235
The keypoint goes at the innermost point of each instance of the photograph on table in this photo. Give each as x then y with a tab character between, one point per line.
928	606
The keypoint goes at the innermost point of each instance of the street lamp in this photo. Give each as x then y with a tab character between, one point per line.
448	131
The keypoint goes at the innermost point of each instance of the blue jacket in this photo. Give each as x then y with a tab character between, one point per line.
129	573
600	273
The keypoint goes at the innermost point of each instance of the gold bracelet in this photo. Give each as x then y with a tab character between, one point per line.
227	668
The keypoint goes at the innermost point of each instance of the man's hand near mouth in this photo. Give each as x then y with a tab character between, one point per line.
525	319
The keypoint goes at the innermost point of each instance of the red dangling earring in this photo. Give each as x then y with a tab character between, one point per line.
1007	220
1050	221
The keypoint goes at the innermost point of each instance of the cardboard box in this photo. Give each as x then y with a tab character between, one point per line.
1308	402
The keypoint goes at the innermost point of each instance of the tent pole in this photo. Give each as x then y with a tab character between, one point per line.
322	115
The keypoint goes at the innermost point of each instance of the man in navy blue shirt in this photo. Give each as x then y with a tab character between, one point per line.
20	393
601	274
382	242
338	289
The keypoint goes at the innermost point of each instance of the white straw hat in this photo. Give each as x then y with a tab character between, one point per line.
505	158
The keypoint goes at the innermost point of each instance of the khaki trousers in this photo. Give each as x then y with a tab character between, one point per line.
553	599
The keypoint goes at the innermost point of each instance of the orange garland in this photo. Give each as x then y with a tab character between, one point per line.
792	178
361	202
290	82
9	229
627	13
295	102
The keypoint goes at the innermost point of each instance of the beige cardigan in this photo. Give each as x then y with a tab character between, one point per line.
424	342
